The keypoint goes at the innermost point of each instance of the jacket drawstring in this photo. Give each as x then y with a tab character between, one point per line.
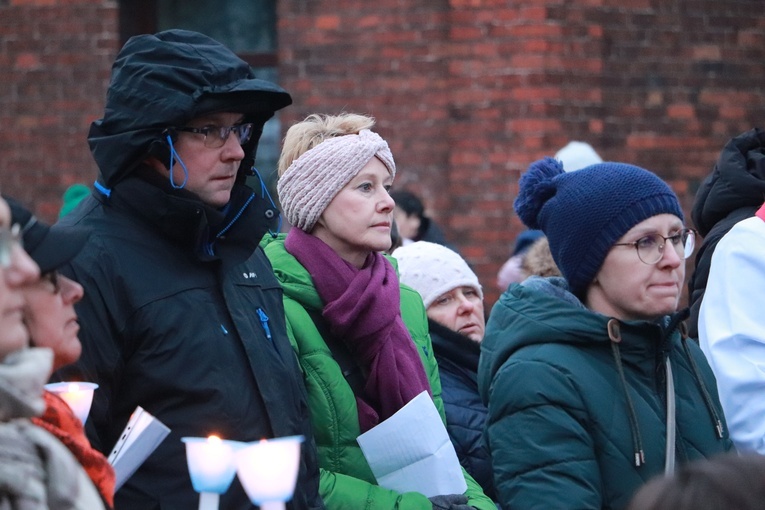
614	335
704	392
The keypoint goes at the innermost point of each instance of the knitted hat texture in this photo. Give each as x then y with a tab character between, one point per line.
311	182
584	213
433	269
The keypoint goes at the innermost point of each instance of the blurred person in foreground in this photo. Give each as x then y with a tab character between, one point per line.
592	388
453	299
725	481
52	322
182	314
37	472
361	337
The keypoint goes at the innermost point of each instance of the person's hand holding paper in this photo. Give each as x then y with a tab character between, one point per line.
411	451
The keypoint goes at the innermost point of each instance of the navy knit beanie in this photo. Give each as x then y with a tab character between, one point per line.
584	213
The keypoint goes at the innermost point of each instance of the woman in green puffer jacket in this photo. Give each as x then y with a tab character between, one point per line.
591	387
343	300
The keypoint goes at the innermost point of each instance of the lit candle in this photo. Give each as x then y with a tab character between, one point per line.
78	396
268	470
211	464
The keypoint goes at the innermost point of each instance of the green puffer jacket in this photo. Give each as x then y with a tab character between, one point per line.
346	480
569	409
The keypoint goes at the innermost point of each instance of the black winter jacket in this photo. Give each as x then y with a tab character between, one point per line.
192	332
457	358
732	192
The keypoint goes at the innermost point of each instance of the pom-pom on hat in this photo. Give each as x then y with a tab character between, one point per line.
584	213
433	269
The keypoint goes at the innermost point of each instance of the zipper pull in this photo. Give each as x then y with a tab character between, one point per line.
264	321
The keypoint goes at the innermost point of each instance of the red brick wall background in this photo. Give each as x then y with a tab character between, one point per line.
55	58
467	92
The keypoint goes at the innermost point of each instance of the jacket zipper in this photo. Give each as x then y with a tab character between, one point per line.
264	322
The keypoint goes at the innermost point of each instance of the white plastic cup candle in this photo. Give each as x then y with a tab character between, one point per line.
268	469
77	395
211	463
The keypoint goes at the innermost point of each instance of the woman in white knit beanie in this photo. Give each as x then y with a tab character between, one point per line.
361	340
449	288
454	301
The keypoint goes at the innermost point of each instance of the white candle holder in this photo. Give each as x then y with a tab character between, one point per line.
211	467
268	470
77	395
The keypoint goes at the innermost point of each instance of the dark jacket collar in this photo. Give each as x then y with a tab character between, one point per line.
454	346
184	219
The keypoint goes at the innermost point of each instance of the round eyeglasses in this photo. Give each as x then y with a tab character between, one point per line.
8	238
650	248
216	136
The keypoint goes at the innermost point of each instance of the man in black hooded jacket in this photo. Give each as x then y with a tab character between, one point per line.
732	192
182	314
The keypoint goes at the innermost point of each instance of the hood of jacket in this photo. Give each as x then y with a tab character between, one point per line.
737	180
542	310
163	81
448	344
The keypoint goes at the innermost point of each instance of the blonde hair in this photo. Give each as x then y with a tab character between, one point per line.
316	128
538	261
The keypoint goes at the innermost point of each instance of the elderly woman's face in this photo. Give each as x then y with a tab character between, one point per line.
50	317
626	288
460	310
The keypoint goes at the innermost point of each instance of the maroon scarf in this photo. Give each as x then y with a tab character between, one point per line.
363	308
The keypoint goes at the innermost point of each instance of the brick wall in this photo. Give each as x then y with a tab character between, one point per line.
467	92
55	58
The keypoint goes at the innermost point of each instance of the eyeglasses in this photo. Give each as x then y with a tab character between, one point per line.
650	248
8	238
52	277
216	136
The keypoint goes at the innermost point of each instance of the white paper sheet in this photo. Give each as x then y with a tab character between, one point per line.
138	440
411	451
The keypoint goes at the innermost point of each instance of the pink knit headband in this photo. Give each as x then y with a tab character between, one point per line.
311	182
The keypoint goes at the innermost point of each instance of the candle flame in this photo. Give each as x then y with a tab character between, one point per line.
73	387
213	439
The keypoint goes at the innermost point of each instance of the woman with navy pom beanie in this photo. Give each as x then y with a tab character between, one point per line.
591	385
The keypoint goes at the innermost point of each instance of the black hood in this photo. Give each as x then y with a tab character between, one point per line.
738	180
166	79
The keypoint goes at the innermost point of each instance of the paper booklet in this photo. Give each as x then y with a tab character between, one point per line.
411	451
140	437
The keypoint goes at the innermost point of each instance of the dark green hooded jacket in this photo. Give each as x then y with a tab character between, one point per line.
570	410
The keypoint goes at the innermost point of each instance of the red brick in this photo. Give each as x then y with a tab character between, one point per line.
467	92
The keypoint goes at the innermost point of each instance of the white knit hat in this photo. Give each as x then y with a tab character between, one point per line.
577	155
432	269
